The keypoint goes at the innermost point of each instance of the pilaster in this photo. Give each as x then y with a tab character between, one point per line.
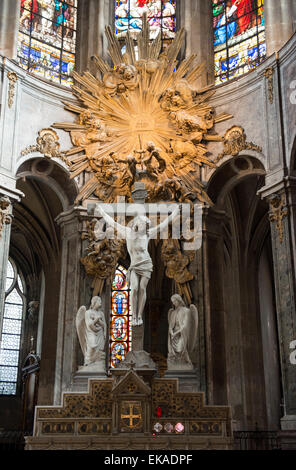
71	288
282	203
280	20
9	27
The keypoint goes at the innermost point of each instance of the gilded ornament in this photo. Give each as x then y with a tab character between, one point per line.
278	212
12	77
269	72
143	120
47	143
235	140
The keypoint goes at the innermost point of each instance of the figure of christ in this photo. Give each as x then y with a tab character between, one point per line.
137	237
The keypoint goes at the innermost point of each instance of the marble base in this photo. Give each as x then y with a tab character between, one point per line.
140	361
137	360
81	378
187	379
138	337
288	423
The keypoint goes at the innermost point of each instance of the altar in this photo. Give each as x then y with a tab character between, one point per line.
139	140
127	412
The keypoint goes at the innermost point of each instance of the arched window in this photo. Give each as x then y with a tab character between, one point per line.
120	319
239	37
47	37
161	15
11	331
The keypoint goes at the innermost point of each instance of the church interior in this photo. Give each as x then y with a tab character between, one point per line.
148	224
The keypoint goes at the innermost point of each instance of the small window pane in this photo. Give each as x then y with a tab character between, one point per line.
8	374
9	357
8	388
10	270
10	341
12	326
13	311
14	298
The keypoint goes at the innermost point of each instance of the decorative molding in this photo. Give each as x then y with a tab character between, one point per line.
235	140
279	210
269	77
5	217
12	77
48	144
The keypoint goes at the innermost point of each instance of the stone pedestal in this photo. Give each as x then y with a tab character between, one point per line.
82	377
187	379
138	338
288	423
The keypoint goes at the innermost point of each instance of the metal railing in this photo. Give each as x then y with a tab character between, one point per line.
12	440
256	440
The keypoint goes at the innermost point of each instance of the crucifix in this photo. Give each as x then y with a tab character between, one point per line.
137	236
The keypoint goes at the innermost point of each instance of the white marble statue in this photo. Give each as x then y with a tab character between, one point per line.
91	329
137	237
183	326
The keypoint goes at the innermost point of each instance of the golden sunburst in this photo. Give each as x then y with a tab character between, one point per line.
143	119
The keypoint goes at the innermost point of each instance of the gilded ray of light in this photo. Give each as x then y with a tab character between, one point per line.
143	118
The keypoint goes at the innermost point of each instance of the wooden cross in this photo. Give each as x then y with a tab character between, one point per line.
131	416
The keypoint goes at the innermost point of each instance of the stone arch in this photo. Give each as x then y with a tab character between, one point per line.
230	173
53	174
37	244
237	235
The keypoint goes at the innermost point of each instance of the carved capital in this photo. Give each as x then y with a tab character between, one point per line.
278	211
12	77
5	217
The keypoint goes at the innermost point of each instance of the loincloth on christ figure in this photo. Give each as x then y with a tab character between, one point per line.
143	268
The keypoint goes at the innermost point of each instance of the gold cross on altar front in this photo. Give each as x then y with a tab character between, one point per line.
131	416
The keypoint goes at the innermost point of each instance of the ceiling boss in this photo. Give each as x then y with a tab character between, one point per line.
144	119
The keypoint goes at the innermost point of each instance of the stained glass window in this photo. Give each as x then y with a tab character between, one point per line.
239	37
47	37
11	331
161	16
120	321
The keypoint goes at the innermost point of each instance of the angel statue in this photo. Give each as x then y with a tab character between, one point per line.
91	329
183	325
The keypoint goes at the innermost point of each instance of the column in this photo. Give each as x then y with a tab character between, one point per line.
282	216
280	20
196	17
71	297
93	17
9	27
7	198
212	249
